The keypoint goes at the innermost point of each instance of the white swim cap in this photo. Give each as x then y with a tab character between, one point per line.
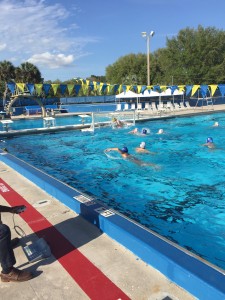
160	131
142	145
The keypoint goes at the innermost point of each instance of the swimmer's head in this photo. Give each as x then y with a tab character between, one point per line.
160	131
144	131
114	119
216	124
124	150
142	145
209	140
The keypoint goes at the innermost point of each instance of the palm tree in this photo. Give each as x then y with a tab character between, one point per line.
28	73
7	74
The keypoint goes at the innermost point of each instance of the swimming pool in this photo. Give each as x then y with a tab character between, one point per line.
39	123
183	201
65	120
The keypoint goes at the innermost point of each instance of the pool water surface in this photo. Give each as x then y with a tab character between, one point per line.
183	200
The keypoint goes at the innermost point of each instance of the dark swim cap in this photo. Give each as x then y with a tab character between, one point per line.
124	150
209	140
144	131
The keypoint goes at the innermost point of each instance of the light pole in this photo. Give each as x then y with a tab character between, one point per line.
148	36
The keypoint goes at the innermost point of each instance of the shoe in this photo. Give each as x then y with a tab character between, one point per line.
16	275
15	242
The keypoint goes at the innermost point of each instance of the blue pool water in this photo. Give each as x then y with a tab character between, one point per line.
38	122
183	201
65	120
90	107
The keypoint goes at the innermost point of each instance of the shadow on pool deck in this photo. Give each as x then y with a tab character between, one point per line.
84	260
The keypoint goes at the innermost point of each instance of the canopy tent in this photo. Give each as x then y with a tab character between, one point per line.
128	94
149	93
167	92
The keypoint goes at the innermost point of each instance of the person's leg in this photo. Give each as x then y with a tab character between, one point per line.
7	258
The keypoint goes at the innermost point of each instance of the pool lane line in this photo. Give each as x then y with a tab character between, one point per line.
91	280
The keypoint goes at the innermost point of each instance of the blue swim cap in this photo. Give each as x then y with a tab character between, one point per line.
124	150
144	131
209	140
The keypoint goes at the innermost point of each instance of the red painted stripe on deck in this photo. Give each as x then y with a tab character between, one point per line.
92	281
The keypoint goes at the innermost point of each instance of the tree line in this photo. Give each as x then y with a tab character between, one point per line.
194	56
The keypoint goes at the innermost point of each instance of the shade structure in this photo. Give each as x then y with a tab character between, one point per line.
128	94
167	92
149	93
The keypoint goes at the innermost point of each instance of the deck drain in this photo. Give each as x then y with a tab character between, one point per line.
83	199
104	212
42	203
3	171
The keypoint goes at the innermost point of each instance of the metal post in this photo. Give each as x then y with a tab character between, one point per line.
148	36
148	60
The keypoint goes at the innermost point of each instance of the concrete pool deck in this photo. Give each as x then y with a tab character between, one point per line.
145	113
117	274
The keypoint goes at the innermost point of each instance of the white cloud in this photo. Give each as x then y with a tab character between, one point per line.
52	61
39	32
2	46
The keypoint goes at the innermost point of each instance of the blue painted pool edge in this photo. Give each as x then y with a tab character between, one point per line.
195	275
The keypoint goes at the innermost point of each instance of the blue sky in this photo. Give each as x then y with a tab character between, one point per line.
78	38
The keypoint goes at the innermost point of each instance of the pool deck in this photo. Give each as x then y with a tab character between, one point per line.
145	113
104	268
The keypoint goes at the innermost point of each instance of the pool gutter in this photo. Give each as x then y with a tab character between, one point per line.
197	276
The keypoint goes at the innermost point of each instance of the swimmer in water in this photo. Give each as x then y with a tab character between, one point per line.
209	143
160	131
117	122
216	124
125	154
143	132
134	131
142	149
